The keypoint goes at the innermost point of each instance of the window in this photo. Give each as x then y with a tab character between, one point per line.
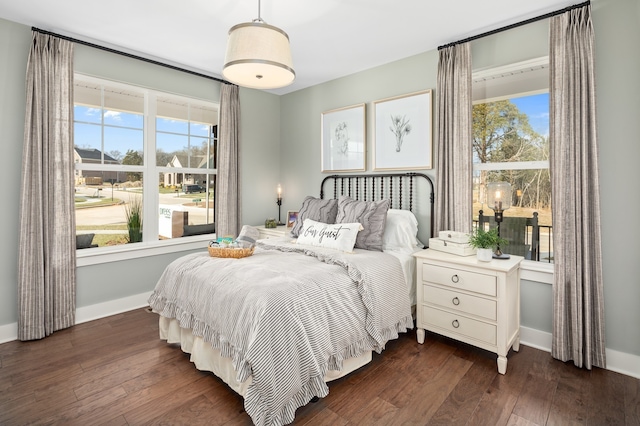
145	163
511	144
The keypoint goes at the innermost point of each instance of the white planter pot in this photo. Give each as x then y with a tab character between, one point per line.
484	254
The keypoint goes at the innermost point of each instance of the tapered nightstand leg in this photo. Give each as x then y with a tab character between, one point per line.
502	364
420	335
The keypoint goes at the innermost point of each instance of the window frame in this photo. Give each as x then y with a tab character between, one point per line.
531	270
150	244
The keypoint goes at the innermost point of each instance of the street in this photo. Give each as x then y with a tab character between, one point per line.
115	215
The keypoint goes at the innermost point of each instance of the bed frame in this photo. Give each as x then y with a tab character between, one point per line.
400	188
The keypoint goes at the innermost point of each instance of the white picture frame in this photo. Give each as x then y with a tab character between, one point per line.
344	140
403	132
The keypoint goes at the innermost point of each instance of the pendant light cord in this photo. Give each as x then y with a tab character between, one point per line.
259	16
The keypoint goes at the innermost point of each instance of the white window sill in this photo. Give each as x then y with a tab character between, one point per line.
99	255
536	271
529	270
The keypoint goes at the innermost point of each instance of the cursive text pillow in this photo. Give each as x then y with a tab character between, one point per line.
339	236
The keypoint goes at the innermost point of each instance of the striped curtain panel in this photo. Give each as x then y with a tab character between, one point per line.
578	303
46	255
227	197
453	150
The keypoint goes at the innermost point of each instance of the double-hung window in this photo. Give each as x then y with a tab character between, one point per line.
145	163
511	144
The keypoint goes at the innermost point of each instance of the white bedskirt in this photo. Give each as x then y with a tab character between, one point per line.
206	358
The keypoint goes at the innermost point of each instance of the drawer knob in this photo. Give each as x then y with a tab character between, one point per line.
455	301
455	324
455	278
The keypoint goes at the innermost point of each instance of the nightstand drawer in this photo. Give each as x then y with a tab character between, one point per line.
459	324
461	302
460	279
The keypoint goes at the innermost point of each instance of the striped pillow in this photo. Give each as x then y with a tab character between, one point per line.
315	209
371	214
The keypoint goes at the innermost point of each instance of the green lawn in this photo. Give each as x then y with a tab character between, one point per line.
85	202
119	227
104	240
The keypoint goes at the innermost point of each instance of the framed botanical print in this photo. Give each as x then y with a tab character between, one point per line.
344	139
403	132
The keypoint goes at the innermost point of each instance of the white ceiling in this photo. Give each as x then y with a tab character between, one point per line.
329	38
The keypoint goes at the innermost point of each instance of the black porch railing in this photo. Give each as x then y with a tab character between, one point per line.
525	236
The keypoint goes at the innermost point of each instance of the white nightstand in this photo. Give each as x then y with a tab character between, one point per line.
280	231
475	302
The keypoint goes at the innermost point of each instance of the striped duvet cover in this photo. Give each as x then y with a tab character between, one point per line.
286	315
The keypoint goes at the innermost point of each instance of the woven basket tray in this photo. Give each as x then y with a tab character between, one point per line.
235	253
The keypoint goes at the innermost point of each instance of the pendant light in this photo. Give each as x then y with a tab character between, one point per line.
258	56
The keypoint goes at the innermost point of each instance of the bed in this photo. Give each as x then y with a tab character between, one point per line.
302	310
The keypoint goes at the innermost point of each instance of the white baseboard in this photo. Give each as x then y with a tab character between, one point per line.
620	362
9	332
112	307
535	338
623	363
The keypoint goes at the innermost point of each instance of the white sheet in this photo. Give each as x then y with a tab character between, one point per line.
408	263
206	358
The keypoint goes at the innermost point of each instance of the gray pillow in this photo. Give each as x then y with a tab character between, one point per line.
372	215
84	241
315	209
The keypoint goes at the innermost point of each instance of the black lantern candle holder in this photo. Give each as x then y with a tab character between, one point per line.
499	199
279	203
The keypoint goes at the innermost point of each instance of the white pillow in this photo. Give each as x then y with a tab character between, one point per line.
401	231
339	236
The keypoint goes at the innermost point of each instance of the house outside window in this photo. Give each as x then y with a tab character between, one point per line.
511	144
142	156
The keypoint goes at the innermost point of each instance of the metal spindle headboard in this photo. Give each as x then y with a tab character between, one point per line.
399	188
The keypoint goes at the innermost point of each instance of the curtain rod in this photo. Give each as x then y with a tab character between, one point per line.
517	24
128	55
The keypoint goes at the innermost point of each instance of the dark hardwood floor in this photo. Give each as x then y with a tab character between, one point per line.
116	371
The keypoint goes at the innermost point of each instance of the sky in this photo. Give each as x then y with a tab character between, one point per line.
124	131
537	108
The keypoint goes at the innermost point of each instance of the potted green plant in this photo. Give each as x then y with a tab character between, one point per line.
133	212
485	242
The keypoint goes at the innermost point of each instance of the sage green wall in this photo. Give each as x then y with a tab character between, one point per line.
14	49
259	161
617	29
